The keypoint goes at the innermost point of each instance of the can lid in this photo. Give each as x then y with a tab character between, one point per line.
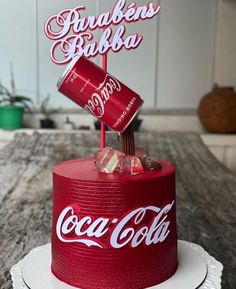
68	69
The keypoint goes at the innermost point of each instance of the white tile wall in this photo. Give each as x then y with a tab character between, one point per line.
226	44
186	52
18	44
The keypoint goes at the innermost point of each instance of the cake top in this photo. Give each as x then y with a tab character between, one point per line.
85	170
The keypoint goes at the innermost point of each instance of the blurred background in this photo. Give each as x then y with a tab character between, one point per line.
186	50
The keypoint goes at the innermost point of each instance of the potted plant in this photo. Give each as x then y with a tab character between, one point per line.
12	108
47	122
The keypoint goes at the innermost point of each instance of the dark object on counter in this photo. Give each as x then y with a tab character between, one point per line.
217	110
47	123
137	122
97	125
84	127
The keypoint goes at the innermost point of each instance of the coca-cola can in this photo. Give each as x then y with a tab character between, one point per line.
100	93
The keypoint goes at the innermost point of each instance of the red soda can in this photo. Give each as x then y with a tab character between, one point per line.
99	93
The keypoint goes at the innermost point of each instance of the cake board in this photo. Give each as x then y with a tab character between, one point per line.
197	269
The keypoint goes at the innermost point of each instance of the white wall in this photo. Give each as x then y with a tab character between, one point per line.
186	52
172	69
18	44
225	68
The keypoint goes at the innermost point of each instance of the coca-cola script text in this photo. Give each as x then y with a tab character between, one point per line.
129	230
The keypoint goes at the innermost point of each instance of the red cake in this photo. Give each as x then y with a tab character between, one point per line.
113	231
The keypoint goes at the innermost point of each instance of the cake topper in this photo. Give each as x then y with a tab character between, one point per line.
73	34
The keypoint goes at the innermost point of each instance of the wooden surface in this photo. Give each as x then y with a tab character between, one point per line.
205	191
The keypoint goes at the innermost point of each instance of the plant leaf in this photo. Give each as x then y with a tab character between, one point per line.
19	98
27	107
4	91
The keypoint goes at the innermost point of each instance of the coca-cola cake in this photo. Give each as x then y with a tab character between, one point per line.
113	231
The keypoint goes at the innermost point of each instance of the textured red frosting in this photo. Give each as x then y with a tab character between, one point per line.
78	183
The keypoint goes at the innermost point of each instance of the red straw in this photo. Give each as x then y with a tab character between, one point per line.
103	126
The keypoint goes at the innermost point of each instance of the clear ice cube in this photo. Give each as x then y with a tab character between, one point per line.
107	160
131	165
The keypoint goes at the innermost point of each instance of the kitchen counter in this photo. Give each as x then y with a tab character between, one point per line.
222	146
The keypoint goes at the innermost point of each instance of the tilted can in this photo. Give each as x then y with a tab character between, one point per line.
99	93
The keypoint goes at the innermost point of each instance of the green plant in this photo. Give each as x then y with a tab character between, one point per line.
11	97
45	108
12	106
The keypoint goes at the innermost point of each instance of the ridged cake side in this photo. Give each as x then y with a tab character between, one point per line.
113	231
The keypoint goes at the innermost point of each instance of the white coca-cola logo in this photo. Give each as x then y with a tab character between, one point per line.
96	105
82	42
129	230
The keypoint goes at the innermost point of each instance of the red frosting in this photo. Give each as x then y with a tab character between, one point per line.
113	231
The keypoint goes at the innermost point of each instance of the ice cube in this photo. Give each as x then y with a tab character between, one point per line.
131	165
107	160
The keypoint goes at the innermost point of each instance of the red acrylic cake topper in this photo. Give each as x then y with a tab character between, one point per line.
74	35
